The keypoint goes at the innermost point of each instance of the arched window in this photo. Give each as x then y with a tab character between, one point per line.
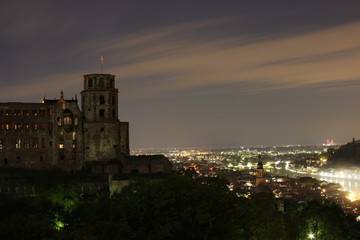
67	120
76	121
58	120
61	137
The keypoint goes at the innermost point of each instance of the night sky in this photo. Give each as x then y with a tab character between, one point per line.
195	73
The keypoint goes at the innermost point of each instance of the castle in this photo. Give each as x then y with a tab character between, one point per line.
58	134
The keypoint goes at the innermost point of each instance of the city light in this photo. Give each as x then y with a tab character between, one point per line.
352	197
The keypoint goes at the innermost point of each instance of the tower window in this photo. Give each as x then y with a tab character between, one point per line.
102	100
113	100
76	121
102	113
101	83
114	113
90	82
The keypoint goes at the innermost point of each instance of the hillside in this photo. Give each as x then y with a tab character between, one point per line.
345	156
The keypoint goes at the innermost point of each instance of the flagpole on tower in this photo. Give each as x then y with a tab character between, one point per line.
102	62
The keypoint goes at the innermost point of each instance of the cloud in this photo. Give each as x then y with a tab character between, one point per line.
198	55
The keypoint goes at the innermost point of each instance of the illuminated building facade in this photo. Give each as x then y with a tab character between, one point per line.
57	134
260	178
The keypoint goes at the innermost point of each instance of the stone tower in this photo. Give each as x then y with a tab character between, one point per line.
260	179
105	137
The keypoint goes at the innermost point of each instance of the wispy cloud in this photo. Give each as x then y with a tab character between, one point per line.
193	55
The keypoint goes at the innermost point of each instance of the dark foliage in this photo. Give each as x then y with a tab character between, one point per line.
173	208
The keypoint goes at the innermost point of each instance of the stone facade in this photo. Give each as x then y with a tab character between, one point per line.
57	134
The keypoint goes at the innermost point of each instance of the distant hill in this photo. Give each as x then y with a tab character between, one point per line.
345	156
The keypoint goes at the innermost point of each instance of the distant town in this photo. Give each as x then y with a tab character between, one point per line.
292	172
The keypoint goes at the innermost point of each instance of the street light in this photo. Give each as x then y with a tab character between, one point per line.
311	236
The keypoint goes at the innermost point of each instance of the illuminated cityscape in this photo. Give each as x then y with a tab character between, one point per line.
291	171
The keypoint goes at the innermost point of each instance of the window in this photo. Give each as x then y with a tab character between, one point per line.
114	113
102	113
1	112
59	121
90	82
35	126
101	83
2	143
50	111
27	143
17	113
67	121
42	142
7	126
61	137
18	143
8	113
50	128
34	113
26	126
102	100
76	121
26	113
74	136
113	100
17	126
35	143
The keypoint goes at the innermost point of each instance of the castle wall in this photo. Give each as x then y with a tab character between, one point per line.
31	136
57	134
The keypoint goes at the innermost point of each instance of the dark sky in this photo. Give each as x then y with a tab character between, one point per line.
195	73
